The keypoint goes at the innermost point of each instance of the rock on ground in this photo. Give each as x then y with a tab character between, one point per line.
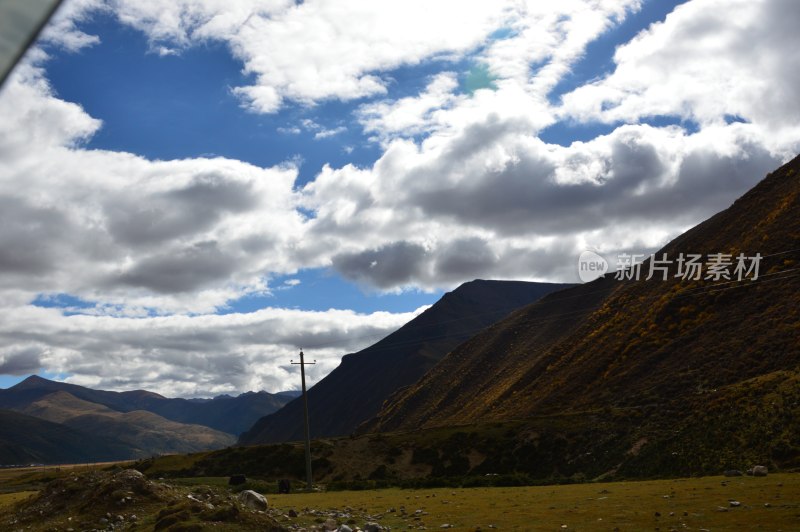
253	500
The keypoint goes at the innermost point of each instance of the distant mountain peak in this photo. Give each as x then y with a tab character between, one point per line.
398	360
33	381
231	415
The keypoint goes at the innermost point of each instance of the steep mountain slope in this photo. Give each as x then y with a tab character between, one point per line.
669	348
226	414
25	440
144	432
354	391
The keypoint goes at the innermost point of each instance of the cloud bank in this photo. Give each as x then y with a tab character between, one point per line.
693	114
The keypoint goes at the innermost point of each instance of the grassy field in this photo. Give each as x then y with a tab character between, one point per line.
15	479
767	503
8	499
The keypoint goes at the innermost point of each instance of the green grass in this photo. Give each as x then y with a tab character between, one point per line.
694	504
217	482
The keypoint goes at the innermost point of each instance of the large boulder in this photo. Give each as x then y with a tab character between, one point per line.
253	500
760	471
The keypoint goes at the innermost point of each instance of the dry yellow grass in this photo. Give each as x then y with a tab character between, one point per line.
7	499
768	503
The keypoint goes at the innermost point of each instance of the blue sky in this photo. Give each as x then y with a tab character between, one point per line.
181	106
183	168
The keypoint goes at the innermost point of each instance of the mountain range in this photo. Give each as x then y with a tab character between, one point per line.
354	391
224	413
624	376
699	367
120	425
29	440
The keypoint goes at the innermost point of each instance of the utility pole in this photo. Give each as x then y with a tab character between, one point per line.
302	365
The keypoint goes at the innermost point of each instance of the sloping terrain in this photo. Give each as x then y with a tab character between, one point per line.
668	348
756	421
355	391
224	413
29	440
127	500
144	432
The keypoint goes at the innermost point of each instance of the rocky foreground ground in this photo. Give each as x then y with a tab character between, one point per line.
127	500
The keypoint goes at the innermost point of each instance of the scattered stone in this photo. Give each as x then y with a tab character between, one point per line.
721	509
760	471
330	525
253	500
734	504
767	505
733	473
373	527
446	525
292	513
345	528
